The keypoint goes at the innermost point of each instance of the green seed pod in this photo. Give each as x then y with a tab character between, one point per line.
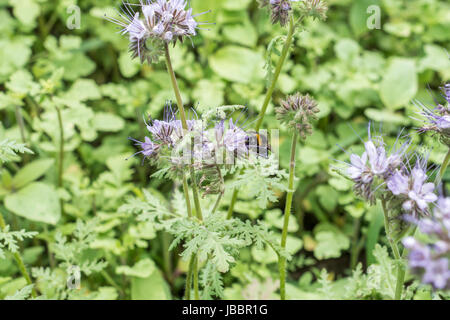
297	112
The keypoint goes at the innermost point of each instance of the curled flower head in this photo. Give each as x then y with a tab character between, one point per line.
375	166
158	22
316	9
413	188
280	10
297	112
430	260
437	119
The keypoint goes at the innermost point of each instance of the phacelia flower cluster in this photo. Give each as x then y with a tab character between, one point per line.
430	260
378	174
280	10
371	170
437	119
412	188
222	143
297	112
314	8
157	22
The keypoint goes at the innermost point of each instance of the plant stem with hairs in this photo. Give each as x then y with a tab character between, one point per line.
443	168
195	194
395	250
187	292
287	213
269	94
19	261
61	149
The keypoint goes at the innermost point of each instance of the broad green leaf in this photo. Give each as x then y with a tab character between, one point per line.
37	202
209	94
234	33
359	15
347	49
108	122
26	11
82	90
142	269
128	67
400	83
330	244
153	287
236	4
31	172
237	64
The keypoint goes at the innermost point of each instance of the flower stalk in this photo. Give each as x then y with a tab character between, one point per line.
443	168
397	256
268	96
287	213
196	197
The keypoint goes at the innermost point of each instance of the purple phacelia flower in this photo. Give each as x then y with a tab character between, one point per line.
413	188
430	260
158	22
149	149
374	166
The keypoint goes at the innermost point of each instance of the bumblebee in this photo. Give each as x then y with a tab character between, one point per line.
258	144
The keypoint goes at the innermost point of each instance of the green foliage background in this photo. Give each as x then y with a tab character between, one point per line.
356	75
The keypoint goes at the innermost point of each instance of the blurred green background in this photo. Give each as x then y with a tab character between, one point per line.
355	74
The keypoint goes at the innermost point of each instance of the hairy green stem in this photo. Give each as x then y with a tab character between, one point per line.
279	66
19	119
19	261
287	213
196	294
186	195
187	293
167	258
216	205
395	250
176	89
61	149
443	167
233	201
268	97
195	194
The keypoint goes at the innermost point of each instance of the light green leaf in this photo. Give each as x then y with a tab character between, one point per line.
209	94
237	64
153	287
128	67
37	202
83	89
400	83
31	172
108	122
359	16
26	11
143	269
330	244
